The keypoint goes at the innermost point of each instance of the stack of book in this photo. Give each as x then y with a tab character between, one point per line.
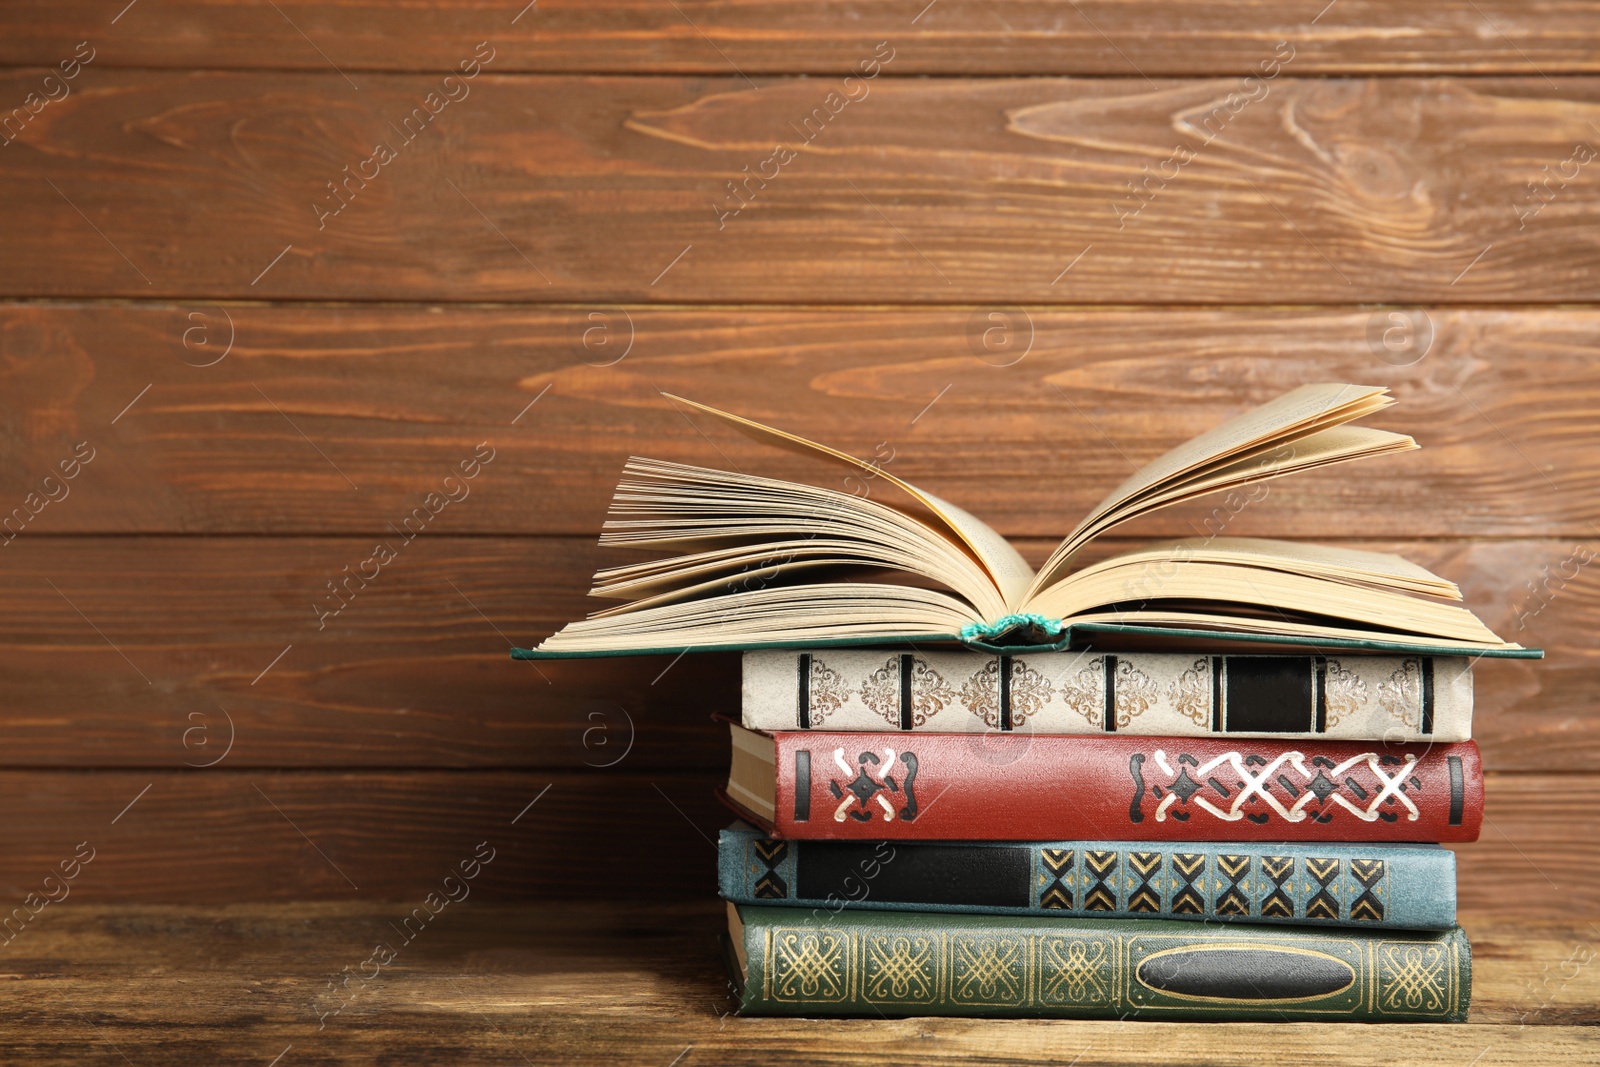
1098	834
1205	778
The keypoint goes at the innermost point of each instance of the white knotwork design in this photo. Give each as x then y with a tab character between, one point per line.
1257	780
872	780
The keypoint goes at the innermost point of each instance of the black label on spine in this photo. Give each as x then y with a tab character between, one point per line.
1216	694
1458	790
805	691
1270	694
995	876
1322	693
1005	692
1111	695
802	785
1427	696
905	692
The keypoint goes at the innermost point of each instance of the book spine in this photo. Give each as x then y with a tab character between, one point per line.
1399	887
912	963
1397	698
1028	787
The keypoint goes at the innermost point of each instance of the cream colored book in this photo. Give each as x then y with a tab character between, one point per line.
741	561
1355	697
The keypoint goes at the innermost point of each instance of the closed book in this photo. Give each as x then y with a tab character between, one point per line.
1395	886
1036	787
886	963
1392	698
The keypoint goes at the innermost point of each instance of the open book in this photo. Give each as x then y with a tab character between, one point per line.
745	562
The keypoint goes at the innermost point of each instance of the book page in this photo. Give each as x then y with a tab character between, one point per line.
1295	415
1221	586
739	530
1353	565
1275	460
859	611
1004	564
1222	625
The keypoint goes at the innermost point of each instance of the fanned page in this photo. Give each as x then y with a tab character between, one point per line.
740	532
1005	565
1291	585
746	561
740	541
1280	437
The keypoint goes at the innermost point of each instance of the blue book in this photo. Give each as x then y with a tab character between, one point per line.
1346	885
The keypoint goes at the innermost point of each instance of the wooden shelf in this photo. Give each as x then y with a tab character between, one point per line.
625	983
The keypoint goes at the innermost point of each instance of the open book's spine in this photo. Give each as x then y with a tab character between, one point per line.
1327	884
1393	698
916	963
1032	787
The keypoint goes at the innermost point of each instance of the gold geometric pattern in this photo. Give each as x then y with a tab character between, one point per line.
988	970
902	968
1189	895
810	966
1144	891
1058	880
1075	971
1414	978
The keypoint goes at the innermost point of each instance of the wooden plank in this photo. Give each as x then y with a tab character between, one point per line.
1308	190
296	400
224	836
184	644
218	655
519	984
784	36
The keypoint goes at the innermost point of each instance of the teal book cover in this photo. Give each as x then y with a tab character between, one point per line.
785	961
1339	885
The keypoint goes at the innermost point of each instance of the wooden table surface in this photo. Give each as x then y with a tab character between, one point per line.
272	273
639	983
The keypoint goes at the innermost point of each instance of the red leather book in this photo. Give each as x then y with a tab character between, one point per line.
1035	787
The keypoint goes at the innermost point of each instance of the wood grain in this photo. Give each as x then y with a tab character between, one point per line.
341	420
499	984
156	651
223	836
786	36
558	188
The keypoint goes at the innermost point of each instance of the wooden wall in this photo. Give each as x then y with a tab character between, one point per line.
952	266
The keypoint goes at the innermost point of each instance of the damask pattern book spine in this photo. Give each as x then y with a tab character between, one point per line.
1395	698
1329	885
915	963
1031	787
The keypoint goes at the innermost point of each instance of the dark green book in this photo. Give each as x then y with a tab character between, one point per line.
788	961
